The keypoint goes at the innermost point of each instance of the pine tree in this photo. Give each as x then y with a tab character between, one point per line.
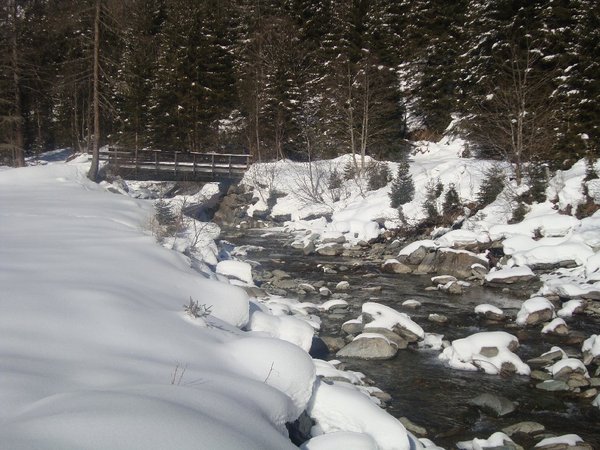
491	186
403	187
451	205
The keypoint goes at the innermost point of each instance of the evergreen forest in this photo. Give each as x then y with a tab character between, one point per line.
301	79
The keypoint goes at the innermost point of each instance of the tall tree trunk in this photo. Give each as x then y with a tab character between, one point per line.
19	156
93	173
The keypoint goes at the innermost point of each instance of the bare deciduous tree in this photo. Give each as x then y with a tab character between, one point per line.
515	120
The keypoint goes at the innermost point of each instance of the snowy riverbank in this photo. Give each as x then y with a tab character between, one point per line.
97	351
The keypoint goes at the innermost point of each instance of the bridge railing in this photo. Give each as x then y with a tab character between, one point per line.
179	164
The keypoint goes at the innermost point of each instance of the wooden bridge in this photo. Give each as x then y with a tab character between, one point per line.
175	166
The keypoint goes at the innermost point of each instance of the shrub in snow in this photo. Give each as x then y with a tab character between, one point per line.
378	175
491	186
193	309
403	187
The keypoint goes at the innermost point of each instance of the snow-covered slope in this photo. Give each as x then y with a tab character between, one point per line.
95	349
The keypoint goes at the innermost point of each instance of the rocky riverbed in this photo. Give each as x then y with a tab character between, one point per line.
434	400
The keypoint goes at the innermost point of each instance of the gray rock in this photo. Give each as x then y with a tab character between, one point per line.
417	256
369	348
325	292
453	288
307	287
553	386
308	248
413	427
352	327
396	339
343	286
529	428
443	279
437	318
489	352
330	250
280	274
427	265
284	284
394	266
494	405
540	375
540	316
333	343
546	359
334	240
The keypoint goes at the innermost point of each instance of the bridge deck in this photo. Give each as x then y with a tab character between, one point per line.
175	166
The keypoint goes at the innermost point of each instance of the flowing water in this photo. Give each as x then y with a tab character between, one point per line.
423	388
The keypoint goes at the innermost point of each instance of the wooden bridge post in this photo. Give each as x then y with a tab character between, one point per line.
156	165
175	165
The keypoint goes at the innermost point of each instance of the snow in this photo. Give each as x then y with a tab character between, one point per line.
569	308
96	347
462	237
237	269
532	305
592	345
553	325
496	440
410	248
567	439
465	353
346	440
501	274
572	363
335	408
287	328
485	308
386	317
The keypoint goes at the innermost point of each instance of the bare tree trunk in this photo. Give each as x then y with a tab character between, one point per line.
19	156
93	173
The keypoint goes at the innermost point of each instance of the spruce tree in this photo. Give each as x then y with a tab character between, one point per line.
451	205
403	187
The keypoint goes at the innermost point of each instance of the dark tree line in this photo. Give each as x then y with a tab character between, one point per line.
300	78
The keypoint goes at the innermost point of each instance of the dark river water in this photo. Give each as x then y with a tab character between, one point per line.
422	387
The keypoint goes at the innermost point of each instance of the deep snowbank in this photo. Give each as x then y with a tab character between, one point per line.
95	349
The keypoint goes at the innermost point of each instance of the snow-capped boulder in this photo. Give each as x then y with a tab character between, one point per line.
490	312
556	327
535	310
395	266
495	441
571	307
565	442
491	352
591	350
375	316
511	275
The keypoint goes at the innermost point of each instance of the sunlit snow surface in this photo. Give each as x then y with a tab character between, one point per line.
95	349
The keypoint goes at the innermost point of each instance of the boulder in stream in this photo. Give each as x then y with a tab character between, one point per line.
369	346
494	405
